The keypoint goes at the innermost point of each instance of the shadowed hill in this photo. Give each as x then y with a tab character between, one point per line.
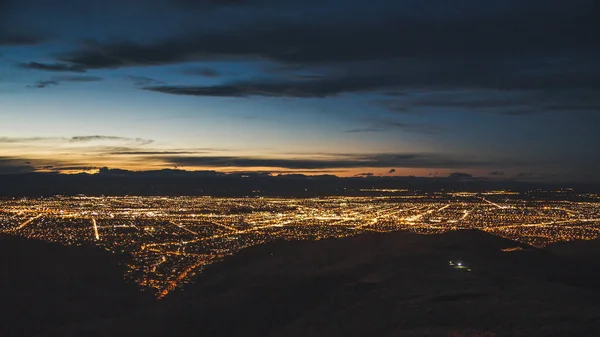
47	286
581	251
394	284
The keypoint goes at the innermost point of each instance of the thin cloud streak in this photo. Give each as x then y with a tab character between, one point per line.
386	160
75	139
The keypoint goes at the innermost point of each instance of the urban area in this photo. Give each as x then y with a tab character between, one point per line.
168	240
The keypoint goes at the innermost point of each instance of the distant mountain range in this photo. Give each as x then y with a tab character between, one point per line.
179	182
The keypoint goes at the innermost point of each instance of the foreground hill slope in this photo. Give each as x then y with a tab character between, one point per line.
46	286
394	284
582	251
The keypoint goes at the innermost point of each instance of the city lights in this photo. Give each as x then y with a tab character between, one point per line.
168	240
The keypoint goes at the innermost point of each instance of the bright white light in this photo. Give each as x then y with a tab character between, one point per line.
460	264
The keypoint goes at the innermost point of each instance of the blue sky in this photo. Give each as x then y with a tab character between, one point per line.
422	87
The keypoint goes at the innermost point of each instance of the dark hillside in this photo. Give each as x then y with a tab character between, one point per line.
48	286
396	284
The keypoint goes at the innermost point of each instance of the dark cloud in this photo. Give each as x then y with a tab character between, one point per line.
8	140
10	165
504	46
76	139
77	78
7	40
95	137
532	176
135	151
43	84
496	173
72	168
147	153
392	171
143	81
365	174
10	35
140	141
204	71
391	35
383	126
61	67
306	89
204	4
367	129
460	175
442	76
60	79
346	161
499	102
308	77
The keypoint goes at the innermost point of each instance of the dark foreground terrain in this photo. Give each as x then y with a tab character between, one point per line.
394	284
46	286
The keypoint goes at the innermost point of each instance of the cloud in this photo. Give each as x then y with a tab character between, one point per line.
13	165
383	126
60	79
10	165
543	91
393	35
536	176
79	139
496	173
71	168
16	165
60	67
76	139
317	88
506	46
498	102
460	175
8	40
77	78
43	84
396	32
411	160
143	81
204	71
204	4
392	171
10	34
9	140
365	174
369	129
146	153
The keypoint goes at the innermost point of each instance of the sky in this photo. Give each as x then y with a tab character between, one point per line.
496	89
